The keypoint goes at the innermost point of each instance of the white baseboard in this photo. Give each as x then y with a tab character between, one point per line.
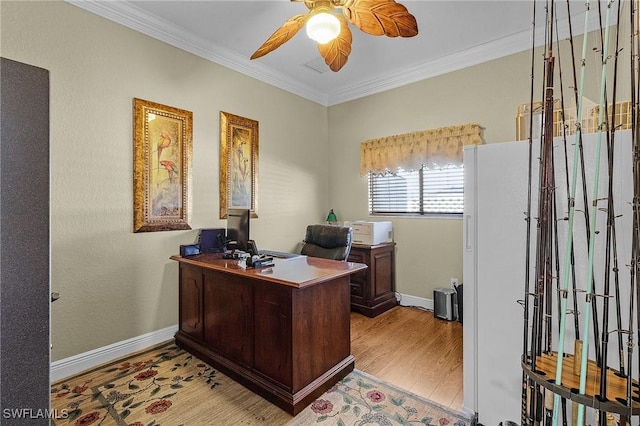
420	302
469	413
75	364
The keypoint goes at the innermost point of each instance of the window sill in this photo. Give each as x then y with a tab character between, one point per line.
419	216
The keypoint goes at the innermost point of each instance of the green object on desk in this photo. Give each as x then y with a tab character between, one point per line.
331	218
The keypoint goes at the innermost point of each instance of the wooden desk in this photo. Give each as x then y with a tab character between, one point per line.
282	331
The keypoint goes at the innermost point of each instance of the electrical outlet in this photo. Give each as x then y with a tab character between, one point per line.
454	282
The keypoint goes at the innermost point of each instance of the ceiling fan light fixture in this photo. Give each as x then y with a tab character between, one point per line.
323	27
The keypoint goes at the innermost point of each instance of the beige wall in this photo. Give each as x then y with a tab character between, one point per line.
429	250
116	284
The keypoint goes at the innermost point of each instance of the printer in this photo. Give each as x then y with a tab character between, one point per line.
371	233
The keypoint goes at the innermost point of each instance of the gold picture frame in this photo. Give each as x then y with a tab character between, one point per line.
162	145
238	163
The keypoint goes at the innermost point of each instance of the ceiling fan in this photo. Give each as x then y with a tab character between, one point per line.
331	30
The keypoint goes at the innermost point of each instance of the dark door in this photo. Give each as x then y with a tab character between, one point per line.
25	293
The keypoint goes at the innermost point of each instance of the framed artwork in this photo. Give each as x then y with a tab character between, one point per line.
238	163
162	144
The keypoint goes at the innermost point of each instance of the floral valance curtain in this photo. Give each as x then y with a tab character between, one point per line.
410	151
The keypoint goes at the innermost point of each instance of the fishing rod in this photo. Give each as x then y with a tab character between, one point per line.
634	287
569	245
570	197
556	233
577	343
546	206
610	244
611	256
528	387
611	210
590	289
549	396
553	246
585	200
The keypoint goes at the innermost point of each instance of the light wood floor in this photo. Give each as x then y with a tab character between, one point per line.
413	350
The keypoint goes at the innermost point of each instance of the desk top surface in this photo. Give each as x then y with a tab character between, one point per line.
299	272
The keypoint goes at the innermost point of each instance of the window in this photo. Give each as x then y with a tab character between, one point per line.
437	191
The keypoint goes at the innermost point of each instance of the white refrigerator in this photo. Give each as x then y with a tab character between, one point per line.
496	189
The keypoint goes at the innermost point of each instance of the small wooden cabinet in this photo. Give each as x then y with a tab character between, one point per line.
373	290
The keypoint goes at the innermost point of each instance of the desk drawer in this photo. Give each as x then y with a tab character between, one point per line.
359	256
356	289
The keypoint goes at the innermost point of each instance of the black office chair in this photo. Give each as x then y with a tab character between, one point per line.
328	241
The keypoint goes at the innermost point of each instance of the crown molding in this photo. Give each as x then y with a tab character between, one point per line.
132	17
450	63
496	49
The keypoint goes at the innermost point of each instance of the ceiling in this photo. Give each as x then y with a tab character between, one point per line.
453	34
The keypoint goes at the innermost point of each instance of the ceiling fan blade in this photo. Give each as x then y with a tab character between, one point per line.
282	35
336	52
381	17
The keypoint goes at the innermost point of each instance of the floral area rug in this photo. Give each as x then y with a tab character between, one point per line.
361	399
166	385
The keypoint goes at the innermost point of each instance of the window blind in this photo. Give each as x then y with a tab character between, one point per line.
423	191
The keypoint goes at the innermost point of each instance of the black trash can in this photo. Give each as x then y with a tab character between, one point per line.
459	292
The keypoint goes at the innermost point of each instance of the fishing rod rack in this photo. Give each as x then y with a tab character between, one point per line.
605	301
615	402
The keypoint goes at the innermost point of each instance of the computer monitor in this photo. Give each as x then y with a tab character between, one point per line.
238	228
